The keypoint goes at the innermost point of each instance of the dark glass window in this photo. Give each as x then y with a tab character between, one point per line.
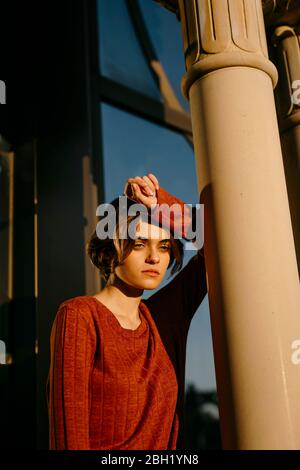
120	55
165	33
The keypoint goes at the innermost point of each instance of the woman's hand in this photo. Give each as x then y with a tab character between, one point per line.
142	189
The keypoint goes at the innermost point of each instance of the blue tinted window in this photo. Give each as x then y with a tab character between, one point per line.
165	33
134	146
120	55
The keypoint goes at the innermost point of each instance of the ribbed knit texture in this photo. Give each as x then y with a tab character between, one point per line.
114	388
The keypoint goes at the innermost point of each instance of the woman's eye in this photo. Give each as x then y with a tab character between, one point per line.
164	247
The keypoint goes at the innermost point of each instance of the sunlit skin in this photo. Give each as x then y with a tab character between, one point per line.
150	252
125	287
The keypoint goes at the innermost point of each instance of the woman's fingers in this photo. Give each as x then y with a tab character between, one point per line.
145	186
154	180
135	192
138	194
151	185
142	189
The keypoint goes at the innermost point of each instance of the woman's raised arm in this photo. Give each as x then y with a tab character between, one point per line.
183	295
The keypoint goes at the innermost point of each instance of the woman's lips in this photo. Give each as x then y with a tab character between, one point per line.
151	273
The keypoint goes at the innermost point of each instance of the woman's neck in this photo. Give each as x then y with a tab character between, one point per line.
122	299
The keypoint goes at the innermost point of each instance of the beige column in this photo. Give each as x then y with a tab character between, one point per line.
286	41
252	271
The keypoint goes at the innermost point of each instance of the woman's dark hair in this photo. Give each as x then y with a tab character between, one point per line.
106	254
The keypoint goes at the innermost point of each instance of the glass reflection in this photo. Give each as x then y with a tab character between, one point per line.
165	33
120	55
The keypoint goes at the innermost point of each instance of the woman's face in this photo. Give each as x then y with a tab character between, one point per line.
151	250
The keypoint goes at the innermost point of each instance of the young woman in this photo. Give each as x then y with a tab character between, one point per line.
117	370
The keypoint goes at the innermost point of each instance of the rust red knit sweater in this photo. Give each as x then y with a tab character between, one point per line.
114	388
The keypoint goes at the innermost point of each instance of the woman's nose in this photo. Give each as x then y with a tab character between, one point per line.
153	256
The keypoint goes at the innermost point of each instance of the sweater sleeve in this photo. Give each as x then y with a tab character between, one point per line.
185	292
72	349
181	218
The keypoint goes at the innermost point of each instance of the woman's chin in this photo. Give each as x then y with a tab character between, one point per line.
150	284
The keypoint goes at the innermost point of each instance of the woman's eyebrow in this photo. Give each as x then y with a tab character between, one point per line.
145	238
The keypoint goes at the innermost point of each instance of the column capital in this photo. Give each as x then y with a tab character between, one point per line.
223	33
271	8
